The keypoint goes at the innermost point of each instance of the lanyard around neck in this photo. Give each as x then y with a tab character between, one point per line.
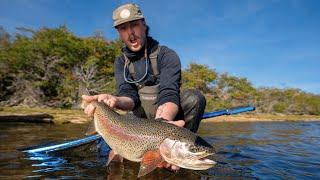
126	64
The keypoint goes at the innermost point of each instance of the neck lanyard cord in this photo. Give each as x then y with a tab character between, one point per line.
127	64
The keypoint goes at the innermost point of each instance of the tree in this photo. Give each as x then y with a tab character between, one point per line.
233	91
44	62
197	76
44	67
4	39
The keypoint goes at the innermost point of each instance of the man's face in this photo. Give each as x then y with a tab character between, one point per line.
133	34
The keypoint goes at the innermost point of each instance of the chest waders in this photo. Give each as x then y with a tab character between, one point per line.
147	94
192	102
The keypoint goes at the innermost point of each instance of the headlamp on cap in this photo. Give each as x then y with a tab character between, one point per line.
126	13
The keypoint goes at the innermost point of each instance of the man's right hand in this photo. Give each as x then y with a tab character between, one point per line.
108	99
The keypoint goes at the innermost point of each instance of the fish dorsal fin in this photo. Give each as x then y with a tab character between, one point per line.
150	161
161	119
130	116
83	89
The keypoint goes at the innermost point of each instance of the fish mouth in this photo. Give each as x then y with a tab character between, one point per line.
179	153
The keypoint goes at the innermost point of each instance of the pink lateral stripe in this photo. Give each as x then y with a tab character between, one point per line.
116	130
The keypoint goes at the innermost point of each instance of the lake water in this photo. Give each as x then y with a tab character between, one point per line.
270	150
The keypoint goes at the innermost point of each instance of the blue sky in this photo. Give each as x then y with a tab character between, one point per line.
273	43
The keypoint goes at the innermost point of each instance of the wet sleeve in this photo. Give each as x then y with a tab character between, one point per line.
124	88
170	77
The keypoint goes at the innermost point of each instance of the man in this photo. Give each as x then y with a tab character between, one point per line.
148	76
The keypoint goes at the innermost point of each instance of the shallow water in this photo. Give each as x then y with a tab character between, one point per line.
271	150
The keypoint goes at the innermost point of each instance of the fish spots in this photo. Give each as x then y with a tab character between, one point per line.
114	129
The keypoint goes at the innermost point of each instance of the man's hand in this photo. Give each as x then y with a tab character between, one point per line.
108	99
118	102
167	111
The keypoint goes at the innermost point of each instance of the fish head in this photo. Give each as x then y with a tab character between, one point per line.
188	154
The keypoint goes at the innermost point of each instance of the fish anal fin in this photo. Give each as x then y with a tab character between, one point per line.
114	156
91	129
150	161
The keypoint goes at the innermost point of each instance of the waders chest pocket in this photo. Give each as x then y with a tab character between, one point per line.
148	97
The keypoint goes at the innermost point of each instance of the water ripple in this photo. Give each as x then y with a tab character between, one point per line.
281	150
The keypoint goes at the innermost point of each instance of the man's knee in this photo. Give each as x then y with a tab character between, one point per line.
191	98
193	104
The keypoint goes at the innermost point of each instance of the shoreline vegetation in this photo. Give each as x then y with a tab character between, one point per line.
50	67
64	116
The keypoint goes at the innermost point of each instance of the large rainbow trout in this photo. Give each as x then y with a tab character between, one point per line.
150	142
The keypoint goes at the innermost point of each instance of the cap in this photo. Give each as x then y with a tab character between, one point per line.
125	13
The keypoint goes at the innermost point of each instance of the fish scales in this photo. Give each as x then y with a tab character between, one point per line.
138	139
145	134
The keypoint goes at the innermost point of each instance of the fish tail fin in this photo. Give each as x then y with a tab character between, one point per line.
83	90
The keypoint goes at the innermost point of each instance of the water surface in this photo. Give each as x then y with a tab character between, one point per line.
271	150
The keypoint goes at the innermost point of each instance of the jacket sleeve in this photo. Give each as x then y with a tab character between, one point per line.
124	88
170	76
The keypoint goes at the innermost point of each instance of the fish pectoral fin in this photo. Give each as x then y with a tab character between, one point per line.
150	161
114	156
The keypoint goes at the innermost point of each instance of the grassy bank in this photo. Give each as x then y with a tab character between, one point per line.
249	117
61	116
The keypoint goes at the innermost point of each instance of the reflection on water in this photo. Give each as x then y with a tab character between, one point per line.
279	150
